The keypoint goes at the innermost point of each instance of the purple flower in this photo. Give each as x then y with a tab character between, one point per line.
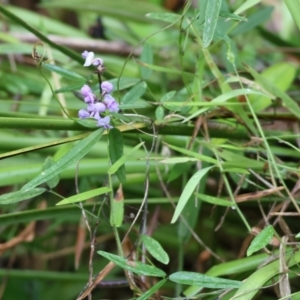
111	104
85	90
106	87
90	98
99	107
98	62
84	54
104	122
82	114
89	57
91	60
88	95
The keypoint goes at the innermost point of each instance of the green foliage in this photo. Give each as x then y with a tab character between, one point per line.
206	135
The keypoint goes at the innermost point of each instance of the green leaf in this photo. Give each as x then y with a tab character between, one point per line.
115	167
124	82
115	146
254	20
72	88
53	25
178	160
210	21
20	195
84	196
75	154
257	279
206	281
187	192
261	240
223	98
294	8
117	211
288	102
63	72
281	75
246	5
88	123
146	295
155	249
147	57
159	113
52	183
226	14
214	200
133	266
190	153
168	96
179	169
135	93
14	17
166	17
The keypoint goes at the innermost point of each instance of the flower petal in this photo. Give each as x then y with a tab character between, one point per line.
89	59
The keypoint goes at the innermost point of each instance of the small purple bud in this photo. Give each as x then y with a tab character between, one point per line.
106	87
82	114
114	107
90	98
98	62
99	107
108	99
85	90
111	104
104	122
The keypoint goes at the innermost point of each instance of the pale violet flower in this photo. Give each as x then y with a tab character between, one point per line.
91	60
106	87
82	114
104	122
87	94
111	104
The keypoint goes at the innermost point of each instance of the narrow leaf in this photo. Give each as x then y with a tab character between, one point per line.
214	200
135	93
167	96
210	21
146	57
193	154
206	281
20	195
187	192
115	167
166	17
159	113
155	249
133	266
261	240
176	160
246	5
63	72
288	102
294	8
53	182
117	208
75	154
152	290
84	196
115	146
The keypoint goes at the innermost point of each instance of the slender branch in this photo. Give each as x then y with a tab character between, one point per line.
81	44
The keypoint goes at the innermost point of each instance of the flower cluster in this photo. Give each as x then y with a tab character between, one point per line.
98	108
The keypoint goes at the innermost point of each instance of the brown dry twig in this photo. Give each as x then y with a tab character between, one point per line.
80	44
